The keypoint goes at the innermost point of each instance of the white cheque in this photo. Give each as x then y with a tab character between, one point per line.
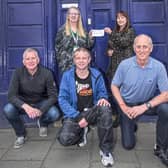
97	32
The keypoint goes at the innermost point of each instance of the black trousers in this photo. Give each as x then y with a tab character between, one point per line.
71	133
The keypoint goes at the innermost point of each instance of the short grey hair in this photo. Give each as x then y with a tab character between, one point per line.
146	36
28	50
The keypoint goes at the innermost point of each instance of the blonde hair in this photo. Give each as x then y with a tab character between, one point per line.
80	28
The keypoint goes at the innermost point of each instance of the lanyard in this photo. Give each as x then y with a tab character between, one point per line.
75	37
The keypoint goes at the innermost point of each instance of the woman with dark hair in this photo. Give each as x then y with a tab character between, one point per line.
120	46
120	42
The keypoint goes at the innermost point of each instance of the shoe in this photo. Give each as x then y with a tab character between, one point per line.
107	159
42	130
164	157
157	150
19	142
162	154
83	142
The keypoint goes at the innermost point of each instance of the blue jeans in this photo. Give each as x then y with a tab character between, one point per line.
13	113
128	127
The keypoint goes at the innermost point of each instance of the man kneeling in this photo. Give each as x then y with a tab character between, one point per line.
84	101
33	92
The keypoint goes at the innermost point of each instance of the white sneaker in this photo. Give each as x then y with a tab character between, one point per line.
84	138
42	130
106	159
19	142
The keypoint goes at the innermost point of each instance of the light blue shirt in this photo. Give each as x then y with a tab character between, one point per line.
139	84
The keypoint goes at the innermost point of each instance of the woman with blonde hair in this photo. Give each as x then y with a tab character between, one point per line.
71	36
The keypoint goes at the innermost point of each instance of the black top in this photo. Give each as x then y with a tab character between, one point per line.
25	88
84	92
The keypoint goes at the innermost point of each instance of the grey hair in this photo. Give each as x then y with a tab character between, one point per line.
28	50
144	35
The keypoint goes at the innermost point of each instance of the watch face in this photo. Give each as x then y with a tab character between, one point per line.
148	105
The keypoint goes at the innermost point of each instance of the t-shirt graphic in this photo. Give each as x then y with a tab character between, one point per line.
84	93
83	89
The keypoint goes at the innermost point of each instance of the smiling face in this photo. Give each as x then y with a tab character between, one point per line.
143	47
73	15
82	60
31	61
121	20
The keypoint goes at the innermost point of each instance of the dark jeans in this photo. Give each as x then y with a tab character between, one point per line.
128	127
71	133
12	114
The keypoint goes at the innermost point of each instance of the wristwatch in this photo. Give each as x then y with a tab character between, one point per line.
148	105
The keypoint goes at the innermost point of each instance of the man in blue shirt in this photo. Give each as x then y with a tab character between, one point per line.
134	87
84	101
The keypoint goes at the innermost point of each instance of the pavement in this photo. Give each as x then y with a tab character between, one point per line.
48	153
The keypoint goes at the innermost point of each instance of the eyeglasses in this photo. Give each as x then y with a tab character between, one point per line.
74	14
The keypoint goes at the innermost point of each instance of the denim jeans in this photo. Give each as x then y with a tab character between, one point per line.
128	127
13	113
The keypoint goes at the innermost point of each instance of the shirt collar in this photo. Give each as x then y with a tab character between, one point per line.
148	65
37	72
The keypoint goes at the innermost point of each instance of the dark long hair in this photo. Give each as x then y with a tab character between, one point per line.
127	26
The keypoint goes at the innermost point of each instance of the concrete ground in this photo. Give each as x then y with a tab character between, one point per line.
48	153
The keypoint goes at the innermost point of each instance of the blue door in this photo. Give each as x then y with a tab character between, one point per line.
147	16
95	15
101	14
151	17
24	25
34	23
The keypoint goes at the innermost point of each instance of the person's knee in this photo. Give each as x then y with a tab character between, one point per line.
9	111
105	116
128	136
70	133
54	113
65	139
128	146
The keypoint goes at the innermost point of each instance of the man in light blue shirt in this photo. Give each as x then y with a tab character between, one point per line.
134	87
